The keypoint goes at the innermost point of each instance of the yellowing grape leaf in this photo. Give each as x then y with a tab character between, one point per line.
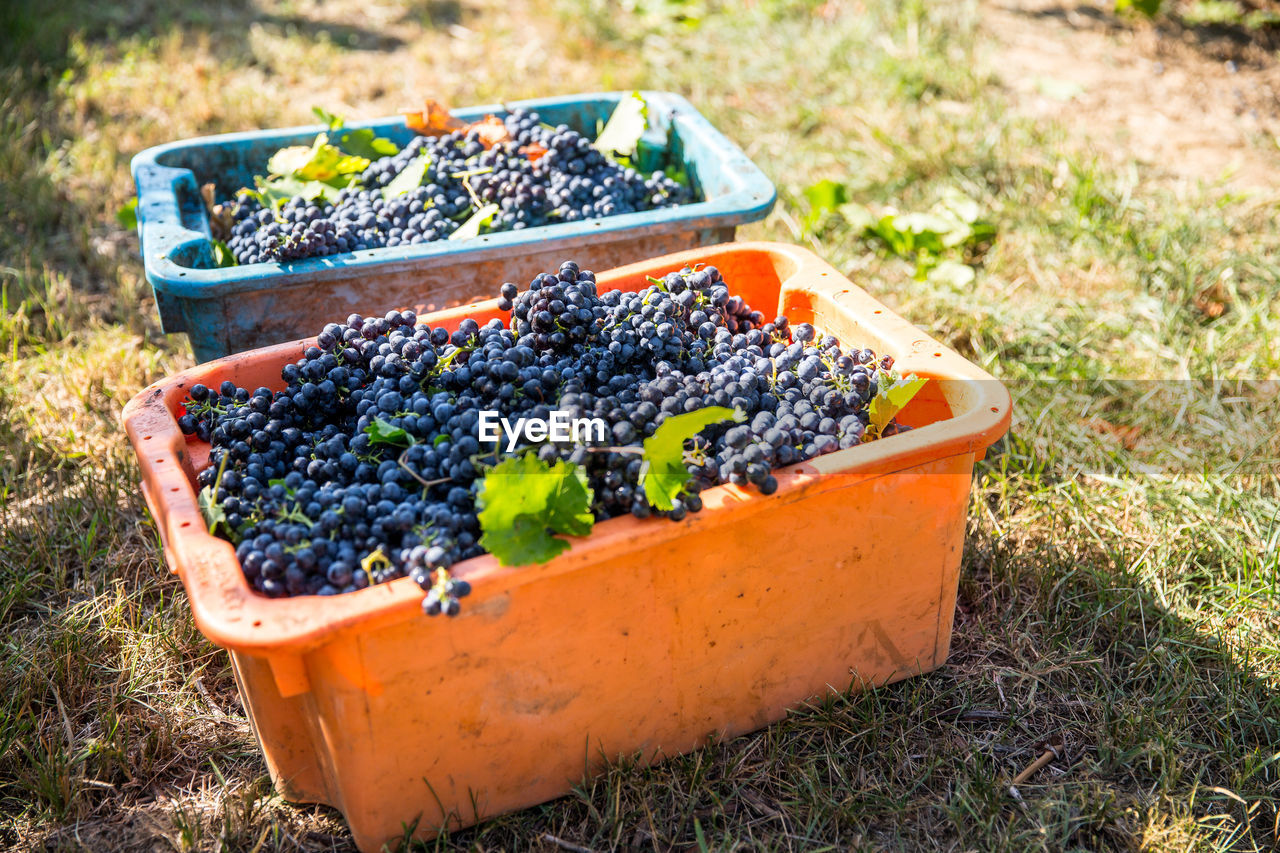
409	179
320	162
471	228
893	392
621	133
664	474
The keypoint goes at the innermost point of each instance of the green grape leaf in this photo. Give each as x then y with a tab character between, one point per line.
893	392
525	541
677	172
214	516
664	474
276	191
409	179
953	274
524	502
824	197
333	120
621	133
222	256
856	216
949	227
127	215
382	432
471	228
897	241
1146	7
363	142
571	509
960	205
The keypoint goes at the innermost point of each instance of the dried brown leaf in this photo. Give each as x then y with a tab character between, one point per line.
1212	301
534	152
1129	436
221	216
491	131
434	119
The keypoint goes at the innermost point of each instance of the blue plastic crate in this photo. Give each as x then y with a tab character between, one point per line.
239	308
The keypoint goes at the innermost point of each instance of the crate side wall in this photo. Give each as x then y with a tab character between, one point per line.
645	656
290	310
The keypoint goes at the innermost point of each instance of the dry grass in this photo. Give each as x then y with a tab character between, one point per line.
1120	583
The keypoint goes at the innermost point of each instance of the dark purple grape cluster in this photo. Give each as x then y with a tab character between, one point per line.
558	310
365	466
571	181
300	229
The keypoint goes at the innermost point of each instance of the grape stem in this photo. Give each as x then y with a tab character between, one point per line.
426	484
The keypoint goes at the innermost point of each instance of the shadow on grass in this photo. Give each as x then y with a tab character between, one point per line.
99	721
58	244
42	33
1234	37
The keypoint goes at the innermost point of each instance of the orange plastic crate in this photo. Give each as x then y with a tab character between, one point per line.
645	638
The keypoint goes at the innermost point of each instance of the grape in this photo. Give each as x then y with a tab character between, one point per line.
570	182
320	499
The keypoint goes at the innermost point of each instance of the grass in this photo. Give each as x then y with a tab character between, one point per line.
1121	571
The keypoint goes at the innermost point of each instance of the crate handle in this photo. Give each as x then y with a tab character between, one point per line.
172	222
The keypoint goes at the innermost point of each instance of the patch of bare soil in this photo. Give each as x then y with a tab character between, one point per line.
1194	104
